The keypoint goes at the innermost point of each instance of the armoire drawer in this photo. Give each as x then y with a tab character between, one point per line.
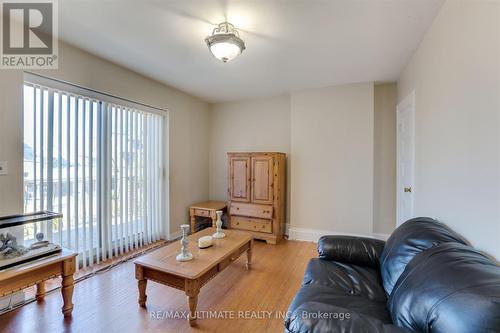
251	210
251	224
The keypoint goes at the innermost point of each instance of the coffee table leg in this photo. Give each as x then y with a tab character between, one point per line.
192	291
69	267
249	255
141	284
67	294
40	291
193	303
142	292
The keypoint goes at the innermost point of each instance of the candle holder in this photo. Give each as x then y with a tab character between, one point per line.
184	255
218	224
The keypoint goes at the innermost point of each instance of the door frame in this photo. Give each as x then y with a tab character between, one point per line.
407	102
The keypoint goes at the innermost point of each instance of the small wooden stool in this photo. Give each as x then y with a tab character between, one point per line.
205	209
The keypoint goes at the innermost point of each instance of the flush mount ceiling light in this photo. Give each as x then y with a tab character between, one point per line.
225	42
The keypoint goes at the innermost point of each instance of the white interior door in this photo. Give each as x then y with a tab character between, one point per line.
405	158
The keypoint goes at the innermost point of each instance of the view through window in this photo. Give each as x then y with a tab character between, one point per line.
99	164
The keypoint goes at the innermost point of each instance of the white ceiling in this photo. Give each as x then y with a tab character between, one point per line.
291	44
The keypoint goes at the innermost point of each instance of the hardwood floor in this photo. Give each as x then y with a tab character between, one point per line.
107	302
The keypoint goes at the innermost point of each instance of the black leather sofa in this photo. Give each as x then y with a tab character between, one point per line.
425	278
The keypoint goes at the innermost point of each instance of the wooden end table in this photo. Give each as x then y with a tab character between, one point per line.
37	272
206	209
162	267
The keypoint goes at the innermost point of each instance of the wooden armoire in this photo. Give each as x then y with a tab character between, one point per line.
257	194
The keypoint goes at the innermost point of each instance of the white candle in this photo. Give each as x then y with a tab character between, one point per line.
205	242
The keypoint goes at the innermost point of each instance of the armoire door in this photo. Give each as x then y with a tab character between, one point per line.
262	179
239	173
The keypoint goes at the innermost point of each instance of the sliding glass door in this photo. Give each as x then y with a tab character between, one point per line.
98	163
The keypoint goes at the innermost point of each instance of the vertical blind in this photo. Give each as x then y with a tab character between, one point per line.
100	165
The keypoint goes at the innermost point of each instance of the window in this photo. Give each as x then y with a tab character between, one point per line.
98	160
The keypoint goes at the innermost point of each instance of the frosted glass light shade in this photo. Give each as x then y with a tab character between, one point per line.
225	51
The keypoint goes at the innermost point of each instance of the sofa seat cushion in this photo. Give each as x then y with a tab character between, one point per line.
304	320
345	279
319	308
337	297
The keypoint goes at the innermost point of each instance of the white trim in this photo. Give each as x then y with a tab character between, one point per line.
380	235
287	229
312	235
407	102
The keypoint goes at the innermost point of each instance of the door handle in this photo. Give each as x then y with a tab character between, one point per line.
407	189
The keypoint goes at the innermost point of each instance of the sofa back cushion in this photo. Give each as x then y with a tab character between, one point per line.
412	237
448	288
351	250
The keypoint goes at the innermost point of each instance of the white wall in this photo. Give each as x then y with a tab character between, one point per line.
384	150
254	125
455	73
189	121
332	159
332	134
11	141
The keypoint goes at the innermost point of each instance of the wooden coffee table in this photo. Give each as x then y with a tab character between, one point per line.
162	267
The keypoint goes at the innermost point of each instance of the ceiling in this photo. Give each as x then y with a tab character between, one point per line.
291	44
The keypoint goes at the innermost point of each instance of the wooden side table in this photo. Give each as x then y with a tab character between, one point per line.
205	209
37	272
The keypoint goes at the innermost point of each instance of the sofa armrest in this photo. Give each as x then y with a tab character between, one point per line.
349	249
